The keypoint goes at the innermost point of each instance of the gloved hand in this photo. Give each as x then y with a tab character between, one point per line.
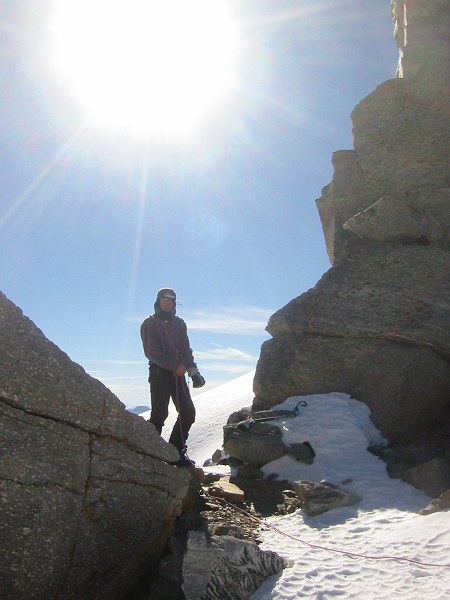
197	380
180	371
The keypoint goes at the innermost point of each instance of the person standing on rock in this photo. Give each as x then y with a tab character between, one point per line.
166	345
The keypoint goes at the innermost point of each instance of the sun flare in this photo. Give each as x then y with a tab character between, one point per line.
146	65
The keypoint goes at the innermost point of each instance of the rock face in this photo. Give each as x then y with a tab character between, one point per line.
377	325
87	497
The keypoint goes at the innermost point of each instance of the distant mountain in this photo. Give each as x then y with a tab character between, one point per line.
138	409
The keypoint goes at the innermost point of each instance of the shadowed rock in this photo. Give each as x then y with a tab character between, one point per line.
88	499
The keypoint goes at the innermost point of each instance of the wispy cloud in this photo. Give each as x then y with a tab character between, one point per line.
239	320
242	320
116	361
228	368
224	354
105	378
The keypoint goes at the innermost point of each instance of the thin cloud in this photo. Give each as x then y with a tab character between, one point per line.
245	320
118	377
113	361
239	320
229	368
224	354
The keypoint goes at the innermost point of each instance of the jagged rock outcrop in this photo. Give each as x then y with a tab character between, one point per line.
377	325
88	498
224	568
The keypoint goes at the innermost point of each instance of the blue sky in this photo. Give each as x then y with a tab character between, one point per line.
93	220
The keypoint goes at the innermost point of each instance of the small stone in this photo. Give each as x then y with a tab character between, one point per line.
227	490
318	498
303	452
438	504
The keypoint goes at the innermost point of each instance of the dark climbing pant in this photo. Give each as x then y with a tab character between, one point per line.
165	385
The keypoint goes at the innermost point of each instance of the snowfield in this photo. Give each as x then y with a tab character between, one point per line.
377	548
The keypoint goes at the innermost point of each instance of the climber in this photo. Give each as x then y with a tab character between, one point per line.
166	345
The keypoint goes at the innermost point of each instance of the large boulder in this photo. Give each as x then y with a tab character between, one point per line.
377	325
256	445
258	440
374	327
88	498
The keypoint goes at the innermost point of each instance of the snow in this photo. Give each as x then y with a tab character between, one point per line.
378	548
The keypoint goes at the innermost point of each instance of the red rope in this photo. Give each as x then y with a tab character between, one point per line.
336	550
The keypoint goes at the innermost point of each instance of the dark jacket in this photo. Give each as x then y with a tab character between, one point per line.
166	342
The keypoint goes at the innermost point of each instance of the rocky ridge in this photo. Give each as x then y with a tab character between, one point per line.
377	324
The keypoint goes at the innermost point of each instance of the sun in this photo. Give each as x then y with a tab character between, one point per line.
146	66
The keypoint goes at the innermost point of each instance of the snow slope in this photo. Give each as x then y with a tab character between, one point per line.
378	548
